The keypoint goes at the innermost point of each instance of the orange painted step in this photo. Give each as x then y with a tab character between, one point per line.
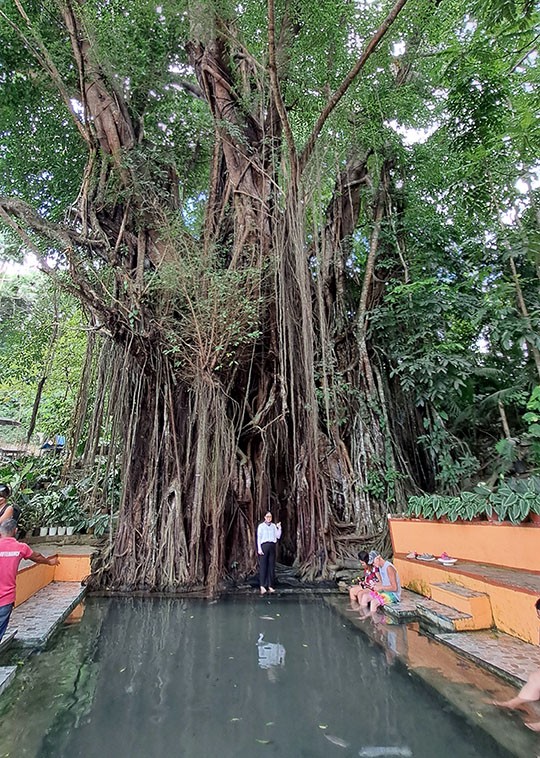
476	604
512	592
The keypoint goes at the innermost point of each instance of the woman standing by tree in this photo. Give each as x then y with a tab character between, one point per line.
267	536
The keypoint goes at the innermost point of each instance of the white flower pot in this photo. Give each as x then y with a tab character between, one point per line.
52	531
43	531
70	530
61	530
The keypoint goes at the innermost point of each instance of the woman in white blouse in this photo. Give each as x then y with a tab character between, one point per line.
267	536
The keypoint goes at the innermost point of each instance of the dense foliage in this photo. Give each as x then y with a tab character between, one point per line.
43	342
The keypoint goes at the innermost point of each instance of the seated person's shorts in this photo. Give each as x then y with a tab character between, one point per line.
385	598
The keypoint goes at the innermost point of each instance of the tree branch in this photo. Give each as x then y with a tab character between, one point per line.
189	88
276	91
12	208
25	238
346	83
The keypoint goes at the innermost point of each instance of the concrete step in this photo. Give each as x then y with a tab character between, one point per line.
414	607
475	604
512	593
37	619
443	616
7	674
7	639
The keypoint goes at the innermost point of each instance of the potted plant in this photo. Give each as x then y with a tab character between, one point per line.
35	511
52	508
72	515
31	516
46	514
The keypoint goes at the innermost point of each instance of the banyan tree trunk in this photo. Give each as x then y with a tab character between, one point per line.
203	461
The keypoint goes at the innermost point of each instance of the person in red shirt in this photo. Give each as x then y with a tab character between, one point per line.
11	554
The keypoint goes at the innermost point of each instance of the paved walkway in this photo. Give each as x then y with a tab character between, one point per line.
497	652
38	618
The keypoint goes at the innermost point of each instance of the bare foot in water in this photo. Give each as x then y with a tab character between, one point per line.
512	705
263	590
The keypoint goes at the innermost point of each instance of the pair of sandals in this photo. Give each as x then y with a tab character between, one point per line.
264	590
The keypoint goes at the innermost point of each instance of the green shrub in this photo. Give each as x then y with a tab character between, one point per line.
513	501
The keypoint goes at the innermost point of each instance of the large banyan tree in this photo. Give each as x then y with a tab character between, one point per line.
220	186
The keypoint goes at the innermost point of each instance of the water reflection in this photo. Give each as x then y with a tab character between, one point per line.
271	655
392	636
76	614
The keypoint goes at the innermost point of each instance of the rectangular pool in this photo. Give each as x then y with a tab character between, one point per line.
234	678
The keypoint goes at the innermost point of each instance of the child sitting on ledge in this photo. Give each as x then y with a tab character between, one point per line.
386	590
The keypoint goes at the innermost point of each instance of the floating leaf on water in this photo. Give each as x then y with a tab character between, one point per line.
267	618
323	726
264	742
122	670
336	740
231	657
236	719
278	614
270	723
380	752
304	644
192	617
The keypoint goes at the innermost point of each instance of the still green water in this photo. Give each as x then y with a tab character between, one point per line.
235	678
